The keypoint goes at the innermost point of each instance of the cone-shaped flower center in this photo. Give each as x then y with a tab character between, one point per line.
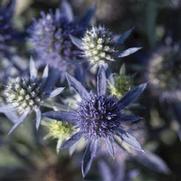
23	94
98	45
99	116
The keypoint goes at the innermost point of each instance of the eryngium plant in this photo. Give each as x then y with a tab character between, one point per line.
119	84
50	37
163	73
23	95
99	117
100	46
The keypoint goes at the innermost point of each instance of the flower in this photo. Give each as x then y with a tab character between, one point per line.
58	130
163	73
50	37
120	83
100	46
99	117
26	94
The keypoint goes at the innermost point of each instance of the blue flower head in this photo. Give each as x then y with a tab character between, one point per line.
101	46
6	30
50	37
163	73
24	95
99	117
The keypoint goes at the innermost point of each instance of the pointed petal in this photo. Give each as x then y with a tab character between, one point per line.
45	72
153	162
71	141
9	112
124	36
105	171
52	78
33	70
101	81
76	41
78	87
21	119
128	142
67	10
88	157
128	51
110	146
132	95
61	116
130	118
38	118
88	16
59	144
56	92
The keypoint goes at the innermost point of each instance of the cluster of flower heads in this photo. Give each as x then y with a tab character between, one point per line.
99	118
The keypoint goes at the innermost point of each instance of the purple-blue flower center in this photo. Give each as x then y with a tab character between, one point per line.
99	116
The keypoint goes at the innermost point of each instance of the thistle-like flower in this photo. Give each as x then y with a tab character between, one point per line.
99	117
120	83
26	94
58	130
50	37
100	46
163	73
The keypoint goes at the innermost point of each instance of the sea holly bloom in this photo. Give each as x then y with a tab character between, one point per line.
99	118
100	46
119	84
58	130
24	95
163	73
50	37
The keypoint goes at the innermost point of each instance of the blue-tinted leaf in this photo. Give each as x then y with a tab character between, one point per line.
110	146
61	116
124	36
88	16
67	10
88	157
21	119
128	142
132	96
53	76
76	41
128	51
79	88
105	171
130	118
9	113
38	118
101	81
56	92
71	141
45	72
153	162
33	70
131	140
